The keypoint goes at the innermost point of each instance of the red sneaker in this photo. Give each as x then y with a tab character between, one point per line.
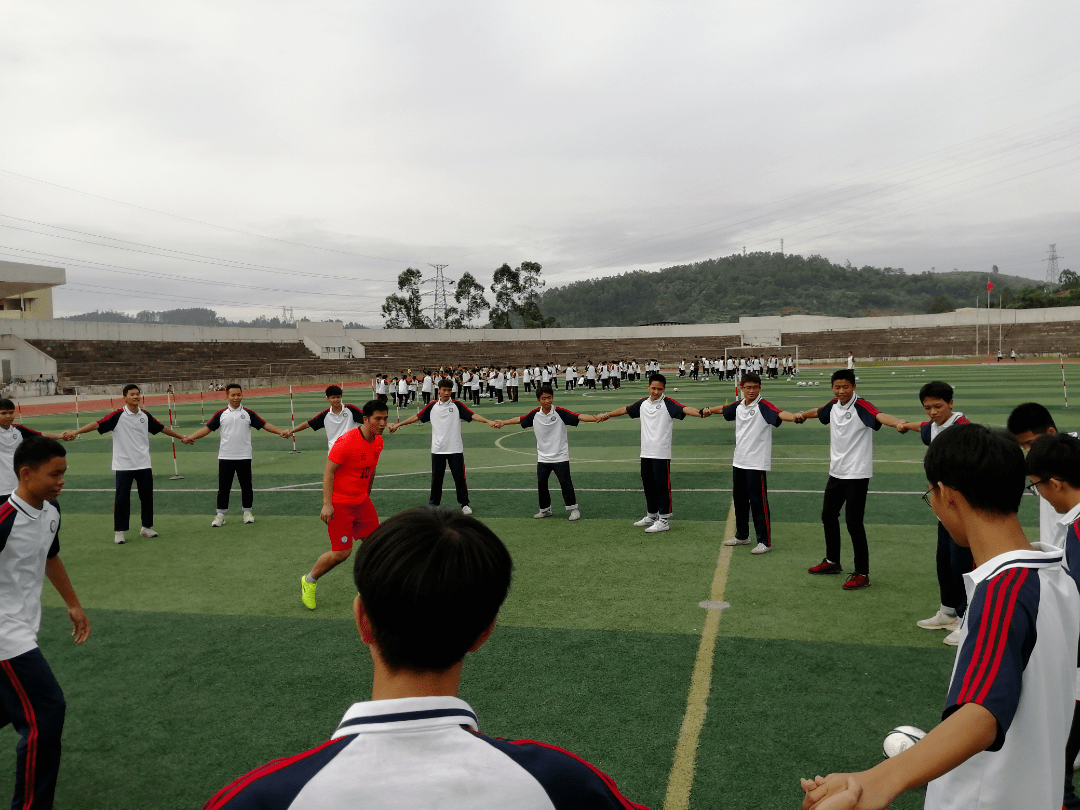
856	582
826	567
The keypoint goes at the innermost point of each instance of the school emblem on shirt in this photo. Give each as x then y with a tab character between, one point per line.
142	419
52	527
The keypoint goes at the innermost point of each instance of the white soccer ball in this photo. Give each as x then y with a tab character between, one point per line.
676	389
894	372
900	739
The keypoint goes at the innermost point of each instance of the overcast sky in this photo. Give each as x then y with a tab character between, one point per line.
264	154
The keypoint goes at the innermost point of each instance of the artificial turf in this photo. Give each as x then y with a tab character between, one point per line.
203	664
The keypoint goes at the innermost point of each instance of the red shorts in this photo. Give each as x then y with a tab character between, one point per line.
351	522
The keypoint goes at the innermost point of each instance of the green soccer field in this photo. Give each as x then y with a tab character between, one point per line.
203	664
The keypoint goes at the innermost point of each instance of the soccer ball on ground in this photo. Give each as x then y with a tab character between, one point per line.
676	389
900	739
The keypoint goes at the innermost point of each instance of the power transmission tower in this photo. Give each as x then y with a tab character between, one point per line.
440	305
1052	267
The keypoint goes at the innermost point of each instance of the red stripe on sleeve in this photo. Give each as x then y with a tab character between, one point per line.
867	406
770	405
607	780
228	792
1010	608
981	635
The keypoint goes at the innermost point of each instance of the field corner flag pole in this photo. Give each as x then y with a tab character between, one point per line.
176	476
292	420
1063	388
77	425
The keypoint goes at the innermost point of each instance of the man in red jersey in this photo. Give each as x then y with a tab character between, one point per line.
347	510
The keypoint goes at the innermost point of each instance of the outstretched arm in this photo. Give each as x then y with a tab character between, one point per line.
809	414
603	417
906	427
959	737
478	418
288	434
786	416
586	417
272	428
889	421
691	411
407	421
68	435
57	574
168	431
499	423
198	434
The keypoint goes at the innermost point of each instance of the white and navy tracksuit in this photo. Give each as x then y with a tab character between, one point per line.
447	447
754	424
131	463
423	752
1016	659
552	452
657	420
30	698
234	453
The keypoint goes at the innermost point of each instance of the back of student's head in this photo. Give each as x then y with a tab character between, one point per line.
843	374
1055	455
751	377
333	390
1031	417
985	466
936	389
374	406
545	389
35	451
431	580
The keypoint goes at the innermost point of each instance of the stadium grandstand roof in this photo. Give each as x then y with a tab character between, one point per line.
17	278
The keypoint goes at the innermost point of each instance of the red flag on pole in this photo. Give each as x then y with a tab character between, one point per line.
989	286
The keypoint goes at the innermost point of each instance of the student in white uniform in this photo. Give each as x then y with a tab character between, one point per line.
336	420
1005	722
445	416
552	448
11	436
234	451
131	428
852	422
657	415
30	698
755	419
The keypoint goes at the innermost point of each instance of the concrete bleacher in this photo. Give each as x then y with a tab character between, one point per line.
99	366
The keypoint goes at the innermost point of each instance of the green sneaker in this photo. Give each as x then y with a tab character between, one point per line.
307	592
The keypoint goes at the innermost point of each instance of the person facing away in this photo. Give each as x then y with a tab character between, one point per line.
430	582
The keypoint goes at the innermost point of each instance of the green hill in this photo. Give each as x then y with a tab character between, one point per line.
722	290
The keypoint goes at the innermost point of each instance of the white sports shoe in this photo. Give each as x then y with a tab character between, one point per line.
648	520
574	515
953	639
248	517
939	621
761	548
218	521
736	541
145	532
466	510
543	513
659	525
118	538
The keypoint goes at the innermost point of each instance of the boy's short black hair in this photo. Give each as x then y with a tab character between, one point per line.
843	374
35	451
446	382
6	405
231	386
1030	417
131	386
1055	455
750	377
333	391
431	580
544	389
658	377
985	466
936	389
374	406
